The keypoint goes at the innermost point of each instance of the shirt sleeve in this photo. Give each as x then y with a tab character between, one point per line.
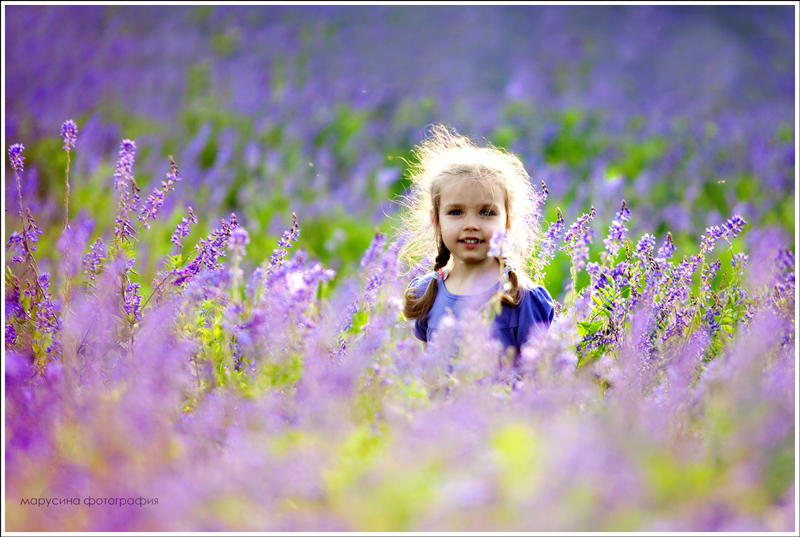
536	312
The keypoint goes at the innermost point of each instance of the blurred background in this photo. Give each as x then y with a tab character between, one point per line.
686	112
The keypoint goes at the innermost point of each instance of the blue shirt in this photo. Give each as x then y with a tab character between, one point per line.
511	326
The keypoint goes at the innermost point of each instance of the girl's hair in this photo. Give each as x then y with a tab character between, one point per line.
445	155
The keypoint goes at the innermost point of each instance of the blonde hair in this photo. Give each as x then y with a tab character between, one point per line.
443	156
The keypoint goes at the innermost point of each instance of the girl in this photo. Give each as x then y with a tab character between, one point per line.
460	196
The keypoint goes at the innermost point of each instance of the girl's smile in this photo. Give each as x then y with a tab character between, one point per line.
471	243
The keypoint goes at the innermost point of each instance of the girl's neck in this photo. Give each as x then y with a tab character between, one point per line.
472	279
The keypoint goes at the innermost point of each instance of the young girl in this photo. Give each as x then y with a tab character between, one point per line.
460	195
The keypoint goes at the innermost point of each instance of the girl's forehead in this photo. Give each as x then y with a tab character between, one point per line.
471	191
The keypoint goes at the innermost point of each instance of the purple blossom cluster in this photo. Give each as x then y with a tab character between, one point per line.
577	240
617	231
94	259
289	236
133	301
182	229
154	201
16	158
208	251
548	247
667	249
69	133
125	183
17	243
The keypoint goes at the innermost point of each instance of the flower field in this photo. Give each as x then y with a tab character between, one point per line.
203	289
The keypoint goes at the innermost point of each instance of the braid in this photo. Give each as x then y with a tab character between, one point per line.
418	306
513	297
443	257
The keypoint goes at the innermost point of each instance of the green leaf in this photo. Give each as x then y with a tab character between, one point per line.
585	327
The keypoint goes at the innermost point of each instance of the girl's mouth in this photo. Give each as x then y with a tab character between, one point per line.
471	244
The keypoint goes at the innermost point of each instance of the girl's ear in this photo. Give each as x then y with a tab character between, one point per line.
434	221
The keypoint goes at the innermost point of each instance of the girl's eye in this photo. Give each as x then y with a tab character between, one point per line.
455	212
487	212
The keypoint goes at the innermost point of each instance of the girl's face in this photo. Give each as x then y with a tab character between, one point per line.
469	213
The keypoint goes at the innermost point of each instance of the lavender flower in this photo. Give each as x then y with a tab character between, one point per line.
708	275
644	247
372	255
133	301
238	242
182	229
667	249
732	227
149	208
577	239
69	132
124	171
289	236
16	241
617	230
11	336
783	280
739	260
551	237
16	246
713	234
497	242
16	158
126	184
93	260
208	252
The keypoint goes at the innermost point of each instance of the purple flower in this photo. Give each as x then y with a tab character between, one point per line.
93	260
617	230
16	158
289	236
133	301
124	171
708	275
182	229
373	253
16	246
16	241
69	132
496	242
713	234
732	227
149	208
551	237
739	260
238	242
783	280
208	252
577	239
126	184
11	336
667	249
644	247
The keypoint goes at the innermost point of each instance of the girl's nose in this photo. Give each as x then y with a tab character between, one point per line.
470	222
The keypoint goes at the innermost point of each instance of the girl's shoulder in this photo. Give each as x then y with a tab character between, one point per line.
537	305
421	283
531	289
